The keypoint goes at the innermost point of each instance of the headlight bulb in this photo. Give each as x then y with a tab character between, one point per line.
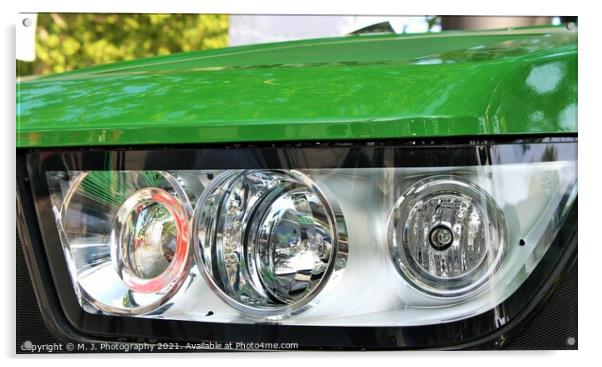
291	240
441	237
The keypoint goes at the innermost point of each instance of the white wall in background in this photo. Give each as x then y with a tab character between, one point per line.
250	29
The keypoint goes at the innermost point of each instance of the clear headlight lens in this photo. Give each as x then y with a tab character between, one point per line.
392	246
149	240
268	240
127	236
447	236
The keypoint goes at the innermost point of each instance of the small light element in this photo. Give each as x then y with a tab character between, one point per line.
446	236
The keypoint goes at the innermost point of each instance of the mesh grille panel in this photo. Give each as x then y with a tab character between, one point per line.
556	323
30	325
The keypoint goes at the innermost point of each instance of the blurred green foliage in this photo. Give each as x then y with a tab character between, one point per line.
72	41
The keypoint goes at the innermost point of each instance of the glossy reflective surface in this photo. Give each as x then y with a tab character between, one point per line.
150	239
294	243
267	241
531	182
449	334
358	87
447	236
126	235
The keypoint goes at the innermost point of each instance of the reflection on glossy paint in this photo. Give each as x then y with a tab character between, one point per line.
537	116
545	78
568	116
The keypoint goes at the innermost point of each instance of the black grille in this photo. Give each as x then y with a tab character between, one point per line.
30	325
556	323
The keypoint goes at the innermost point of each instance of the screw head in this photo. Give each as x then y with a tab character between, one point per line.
27	22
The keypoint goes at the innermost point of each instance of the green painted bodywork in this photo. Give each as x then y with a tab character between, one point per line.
520	81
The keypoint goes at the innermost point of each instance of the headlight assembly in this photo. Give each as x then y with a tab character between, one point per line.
443	237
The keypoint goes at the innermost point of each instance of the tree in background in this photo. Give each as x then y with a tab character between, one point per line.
72	41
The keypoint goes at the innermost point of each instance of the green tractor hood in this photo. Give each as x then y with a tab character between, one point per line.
520	81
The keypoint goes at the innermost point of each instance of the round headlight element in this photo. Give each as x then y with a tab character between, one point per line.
447	236
269	240
128	232
150	240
